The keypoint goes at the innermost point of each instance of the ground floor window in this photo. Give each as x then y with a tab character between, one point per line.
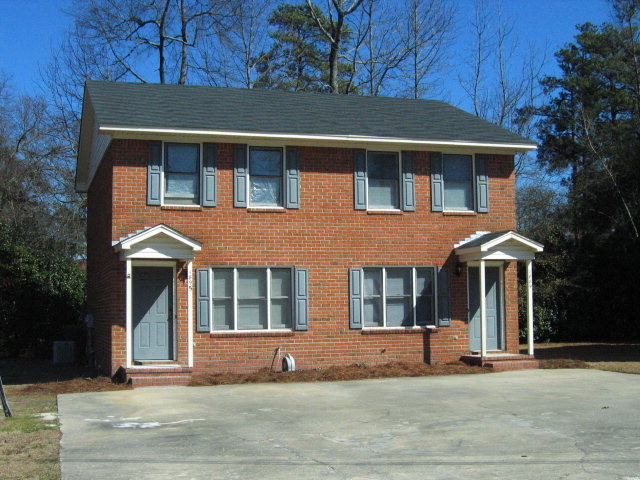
398	297
252	298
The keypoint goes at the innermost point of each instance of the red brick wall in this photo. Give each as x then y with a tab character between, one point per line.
326	235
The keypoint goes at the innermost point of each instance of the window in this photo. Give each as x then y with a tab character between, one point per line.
398	297
265	176
252	298
181	174
458	185
383	173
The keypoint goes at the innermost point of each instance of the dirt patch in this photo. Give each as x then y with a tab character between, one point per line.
333	374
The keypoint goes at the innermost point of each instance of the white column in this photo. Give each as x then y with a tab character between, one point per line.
529	265
483	312
190	312
129	323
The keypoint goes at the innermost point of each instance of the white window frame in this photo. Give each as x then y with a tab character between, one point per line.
198	171
282	148
434	296
474	206
398	153
267	270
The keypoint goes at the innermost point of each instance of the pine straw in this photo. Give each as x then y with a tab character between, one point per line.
563	363
341	373
76	385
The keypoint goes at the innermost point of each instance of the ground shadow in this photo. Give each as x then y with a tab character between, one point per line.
19	371
593	352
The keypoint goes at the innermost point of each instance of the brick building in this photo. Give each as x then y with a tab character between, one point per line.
228	228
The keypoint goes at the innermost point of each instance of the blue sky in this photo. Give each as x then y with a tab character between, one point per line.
30	29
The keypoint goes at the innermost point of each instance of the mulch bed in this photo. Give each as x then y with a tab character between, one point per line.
333	374
77	385
563	363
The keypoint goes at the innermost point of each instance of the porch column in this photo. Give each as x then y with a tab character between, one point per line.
483	312
529	264
128	321
190	312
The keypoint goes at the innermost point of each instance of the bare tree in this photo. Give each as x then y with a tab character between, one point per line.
138	38
334	31
503	83
231	59
378	48
428	32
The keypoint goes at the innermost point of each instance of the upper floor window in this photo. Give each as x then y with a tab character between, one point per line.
182	174
383	178
458	182
384	181
265	176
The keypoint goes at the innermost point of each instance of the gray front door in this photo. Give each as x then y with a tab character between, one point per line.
152	310
493	308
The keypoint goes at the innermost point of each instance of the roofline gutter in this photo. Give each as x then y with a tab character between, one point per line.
525	147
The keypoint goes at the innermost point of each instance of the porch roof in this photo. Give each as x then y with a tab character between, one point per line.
503	245
158	242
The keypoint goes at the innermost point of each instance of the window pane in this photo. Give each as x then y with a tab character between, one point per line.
373	312
223	283
265	162
223	314
180	185
182	158
424	311
252	314
252	283
265	190
457	168
424	296
383	193
398	281
382	166
280	282
424	281
372	282
281	313
458	196
399	312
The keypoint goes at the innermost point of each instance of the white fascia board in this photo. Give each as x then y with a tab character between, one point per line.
535	246
517	147
152	232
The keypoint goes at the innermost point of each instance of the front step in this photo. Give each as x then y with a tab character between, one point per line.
502	362
156	376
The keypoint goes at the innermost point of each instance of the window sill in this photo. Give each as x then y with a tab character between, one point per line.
398	331
252	333
384	212
454	213
266	209
182	208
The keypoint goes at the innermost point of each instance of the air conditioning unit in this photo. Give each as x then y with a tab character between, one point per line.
64	352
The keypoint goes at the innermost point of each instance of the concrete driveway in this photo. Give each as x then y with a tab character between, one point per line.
570	424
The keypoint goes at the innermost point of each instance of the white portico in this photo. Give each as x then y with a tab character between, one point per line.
487	252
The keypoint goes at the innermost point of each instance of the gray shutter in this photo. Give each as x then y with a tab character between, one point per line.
444	301
408	182
203	299
437	183
209	175
292	179
360	179
355	298
154	173
301	283
482	183
240	177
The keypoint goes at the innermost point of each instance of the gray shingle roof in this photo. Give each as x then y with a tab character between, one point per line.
487	237
271	111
